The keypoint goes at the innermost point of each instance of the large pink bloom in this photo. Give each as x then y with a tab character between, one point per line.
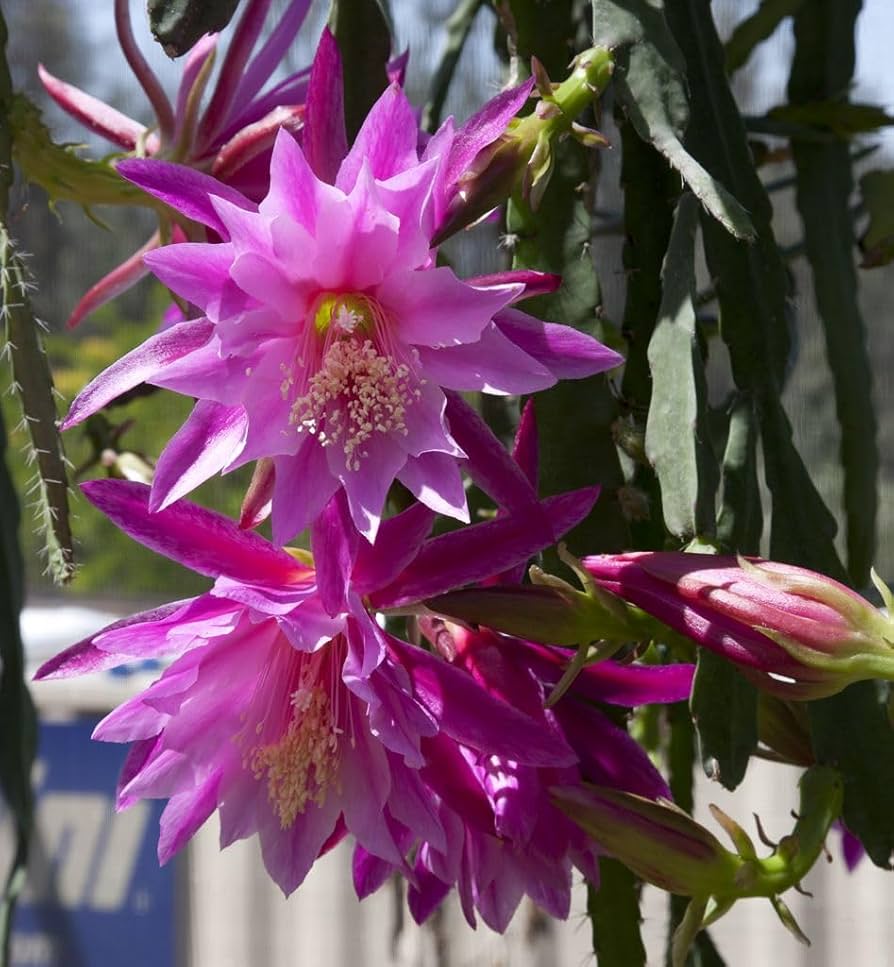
286	707
328	335
505	838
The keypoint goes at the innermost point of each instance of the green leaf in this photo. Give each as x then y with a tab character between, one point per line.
17	721
651	87
842	119
613	909
33	385
724	708
457	27
851	732
740	521
823	64
756	29
677	438
877	243
575	417
364	40
178	24
753	293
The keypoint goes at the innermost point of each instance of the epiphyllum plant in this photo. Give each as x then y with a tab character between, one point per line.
231	136
286	707
328	334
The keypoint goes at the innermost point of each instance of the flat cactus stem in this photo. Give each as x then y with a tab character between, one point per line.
33	384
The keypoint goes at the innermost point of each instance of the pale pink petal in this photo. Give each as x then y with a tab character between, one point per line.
185	814
386	141
119	280
367	487
434	308
493	364
435	480
138	366
293	188
197	271
91	112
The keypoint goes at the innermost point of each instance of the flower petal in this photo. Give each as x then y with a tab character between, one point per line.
200	539
207	442
138	366
301	487
324	140
434	479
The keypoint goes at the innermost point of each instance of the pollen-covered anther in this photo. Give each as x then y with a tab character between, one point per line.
301	766
358	390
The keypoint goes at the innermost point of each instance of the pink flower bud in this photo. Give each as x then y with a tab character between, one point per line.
793	631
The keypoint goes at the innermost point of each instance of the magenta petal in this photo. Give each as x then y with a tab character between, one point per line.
138	366
367	487
324	139
565	352
184	815
489	465
200	539
434	479
433	307
397	544
368	872
525	448
484	128
188	191
473	553
634	685
492	364
334	545
386	141
302	485
473	717
535	283
208	441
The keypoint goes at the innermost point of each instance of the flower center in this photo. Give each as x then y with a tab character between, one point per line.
301	762
360	386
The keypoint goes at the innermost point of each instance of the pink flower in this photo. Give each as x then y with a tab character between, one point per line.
794	632
328	335
230	137
285	706
504	836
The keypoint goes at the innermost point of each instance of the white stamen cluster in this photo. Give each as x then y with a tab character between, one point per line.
300	767
358	390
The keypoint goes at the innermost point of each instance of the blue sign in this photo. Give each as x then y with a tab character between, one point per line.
96	896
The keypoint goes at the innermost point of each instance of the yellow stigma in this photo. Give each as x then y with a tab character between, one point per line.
345	313
300	767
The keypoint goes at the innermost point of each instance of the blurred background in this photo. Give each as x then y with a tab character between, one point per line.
96	897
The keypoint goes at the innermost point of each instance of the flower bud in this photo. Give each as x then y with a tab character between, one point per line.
796	633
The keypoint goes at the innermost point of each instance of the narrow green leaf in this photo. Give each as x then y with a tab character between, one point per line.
677	438
724	708
823	65
178	24
757	28
877	243
752	288
17	721
364	41
33	384
851	732
740	521
613	909
651	87
842	119
575	417
457	27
